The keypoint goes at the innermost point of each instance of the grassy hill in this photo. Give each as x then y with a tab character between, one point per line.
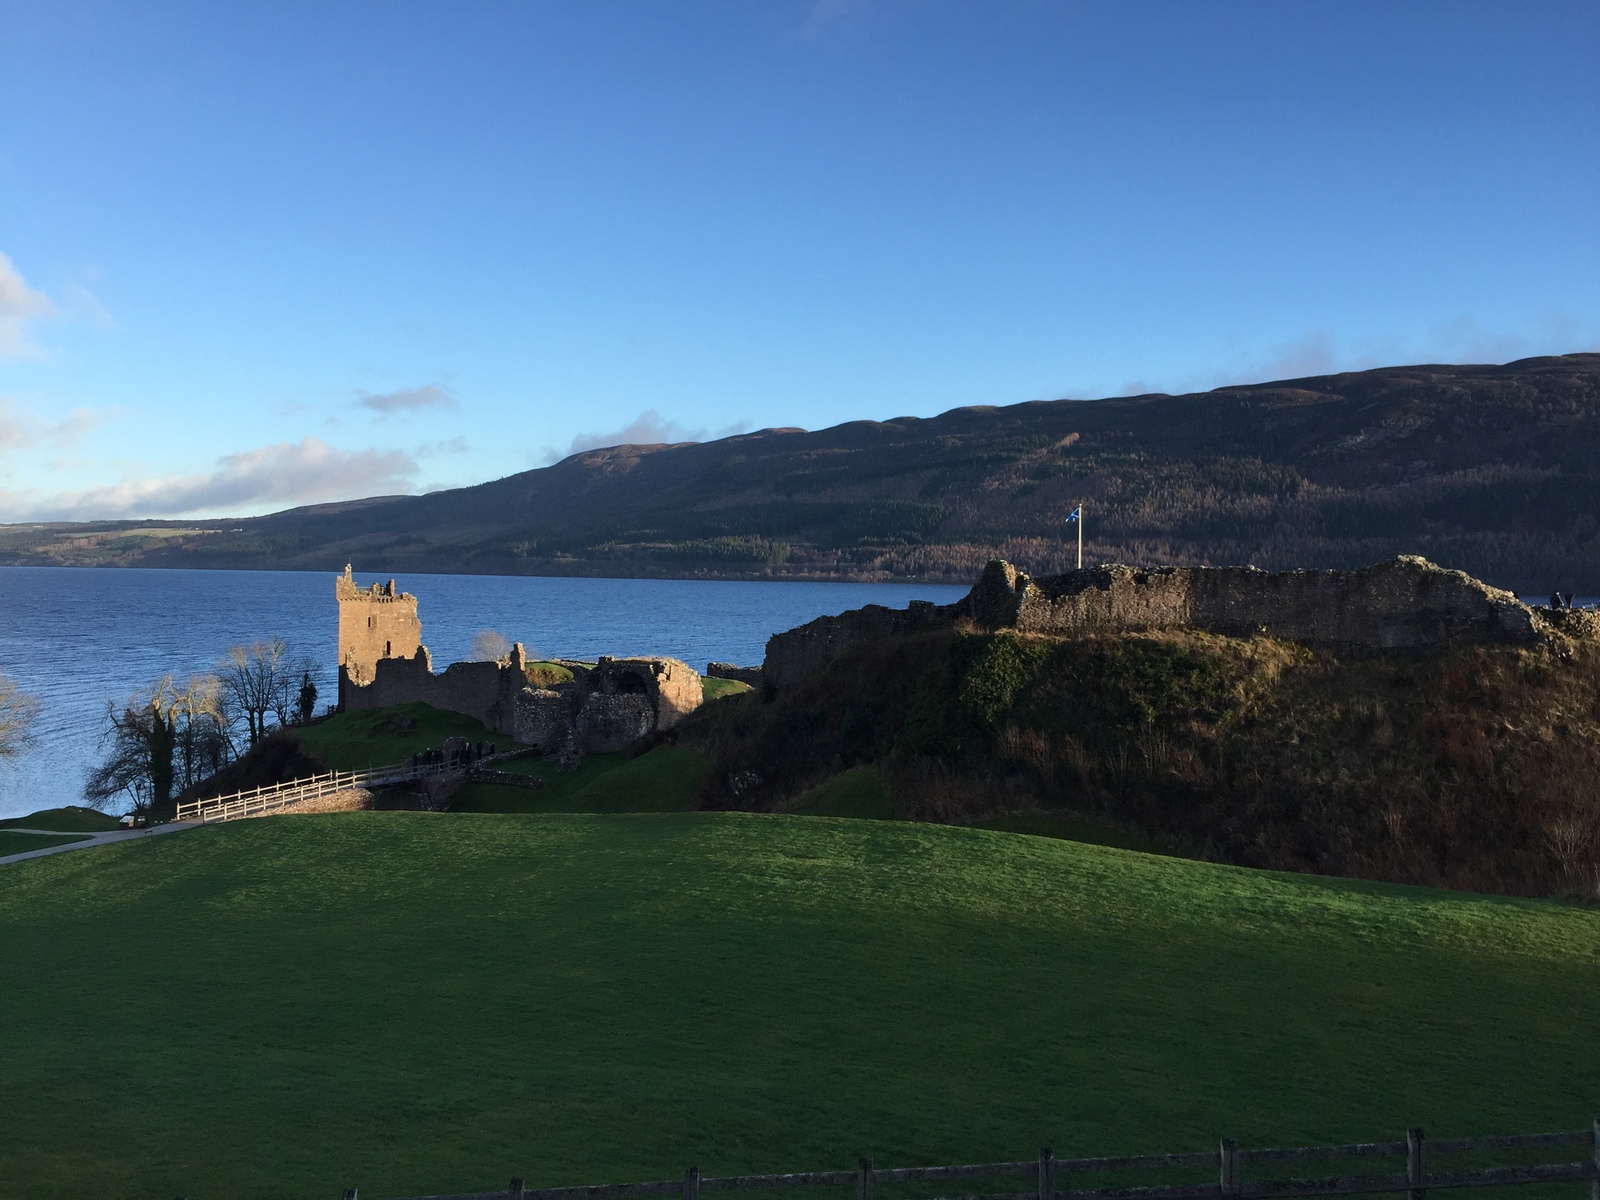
1491	469
1471	768
421	1003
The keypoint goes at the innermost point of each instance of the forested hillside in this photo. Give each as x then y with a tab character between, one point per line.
1492	469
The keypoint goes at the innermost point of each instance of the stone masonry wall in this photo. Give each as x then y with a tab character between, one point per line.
1407	603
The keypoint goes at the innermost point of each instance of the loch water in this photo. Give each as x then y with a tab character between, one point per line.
79	637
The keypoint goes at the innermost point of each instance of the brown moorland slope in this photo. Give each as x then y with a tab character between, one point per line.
1491	469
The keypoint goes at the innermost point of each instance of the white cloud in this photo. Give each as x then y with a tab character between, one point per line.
281	475
649	428
19	304
408	400
1460	340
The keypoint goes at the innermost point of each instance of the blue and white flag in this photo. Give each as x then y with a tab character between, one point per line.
1075	515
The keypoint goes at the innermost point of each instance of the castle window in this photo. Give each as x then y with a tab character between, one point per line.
387	648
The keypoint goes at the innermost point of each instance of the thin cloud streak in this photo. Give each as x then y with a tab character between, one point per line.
408	400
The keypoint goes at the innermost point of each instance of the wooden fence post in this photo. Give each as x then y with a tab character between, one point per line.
691	1184
1047	1173
514	1192
1228	1163
864	1179
1416	1164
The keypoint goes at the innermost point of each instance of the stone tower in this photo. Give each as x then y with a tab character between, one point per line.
374	622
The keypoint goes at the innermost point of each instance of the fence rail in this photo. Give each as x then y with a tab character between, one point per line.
1416	1180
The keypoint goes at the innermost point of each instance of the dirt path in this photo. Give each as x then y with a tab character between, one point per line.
91	840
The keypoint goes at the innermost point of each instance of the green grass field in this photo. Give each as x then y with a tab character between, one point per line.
12	842
415	1003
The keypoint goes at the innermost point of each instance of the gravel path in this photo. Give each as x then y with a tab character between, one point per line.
93	839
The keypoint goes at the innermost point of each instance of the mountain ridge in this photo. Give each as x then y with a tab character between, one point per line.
1494	469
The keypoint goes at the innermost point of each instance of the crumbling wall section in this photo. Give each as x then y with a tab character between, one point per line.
1407	603
485	691
794	655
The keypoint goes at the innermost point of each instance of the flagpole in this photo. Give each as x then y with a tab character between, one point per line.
1080	535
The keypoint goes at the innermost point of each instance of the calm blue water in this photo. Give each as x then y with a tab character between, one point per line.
79	637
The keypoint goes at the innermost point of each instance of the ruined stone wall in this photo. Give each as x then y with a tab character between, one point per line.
797	653
1404	604
1407	603
609	706
375	622
485	691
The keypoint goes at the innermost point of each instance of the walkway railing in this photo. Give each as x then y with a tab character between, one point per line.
256	802
1228	1162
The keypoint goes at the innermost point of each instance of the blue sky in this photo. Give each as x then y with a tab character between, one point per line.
266	254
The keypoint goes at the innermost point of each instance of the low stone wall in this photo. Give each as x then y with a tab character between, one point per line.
1404	604
750	675
351	800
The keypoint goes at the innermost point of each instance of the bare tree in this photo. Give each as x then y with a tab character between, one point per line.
17	712
162	740
490	646
202	744
251	683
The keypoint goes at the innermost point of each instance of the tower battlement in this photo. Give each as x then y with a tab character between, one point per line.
375	622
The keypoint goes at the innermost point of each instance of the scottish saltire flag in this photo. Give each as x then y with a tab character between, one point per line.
1075	515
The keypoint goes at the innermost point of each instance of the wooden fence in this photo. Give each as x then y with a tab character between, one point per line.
1049	1173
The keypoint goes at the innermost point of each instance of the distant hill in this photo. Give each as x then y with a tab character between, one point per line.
1492	469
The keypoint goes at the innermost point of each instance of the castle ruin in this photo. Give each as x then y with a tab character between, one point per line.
605	707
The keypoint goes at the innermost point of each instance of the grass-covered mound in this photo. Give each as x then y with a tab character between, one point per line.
1472	768
714	687
351	741
418	1003
72	819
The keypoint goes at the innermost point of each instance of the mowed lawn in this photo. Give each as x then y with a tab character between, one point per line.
414	1003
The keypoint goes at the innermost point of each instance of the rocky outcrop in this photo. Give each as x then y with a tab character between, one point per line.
750	675
1405	604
